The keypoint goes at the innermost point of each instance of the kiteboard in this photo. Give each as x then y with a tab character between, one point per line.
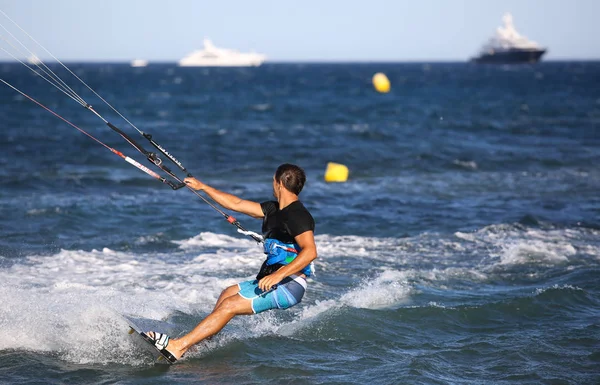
145	342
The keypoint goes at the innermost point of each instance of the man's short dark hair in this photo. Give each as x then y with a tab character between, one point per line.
291	176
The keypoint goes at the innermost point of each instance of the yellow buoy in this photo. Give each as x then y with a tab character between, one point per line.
381	82
336	172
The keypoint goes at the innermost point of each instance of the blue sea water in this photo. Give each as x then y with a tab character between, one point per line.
464	248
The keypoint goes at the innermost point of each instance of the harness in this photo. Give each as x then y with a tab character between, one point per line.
283	253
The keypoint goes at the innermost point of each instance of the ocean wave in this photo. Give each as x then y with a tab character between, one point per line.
208	239
432	276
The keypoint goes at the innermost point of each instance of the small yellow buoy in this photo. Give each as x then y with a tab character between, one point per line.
336	172
381	82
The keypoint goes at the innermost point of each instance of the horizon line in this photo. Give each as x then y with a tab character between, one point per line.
304	61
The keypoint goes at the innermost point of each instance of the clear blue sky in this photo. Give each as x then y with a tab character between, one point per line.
308	30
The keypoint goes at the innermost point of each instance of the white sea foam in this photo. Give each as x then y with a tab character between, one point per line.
535	251
557	287
63	302
34	212
509	244
388	289
206	239
468	164
70	303
147	239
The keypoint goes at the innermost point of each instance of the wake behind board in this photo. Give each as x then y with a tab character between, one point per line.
145	343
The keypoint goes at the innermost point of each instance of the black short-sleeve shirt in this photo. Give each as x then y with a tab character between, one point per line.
284	225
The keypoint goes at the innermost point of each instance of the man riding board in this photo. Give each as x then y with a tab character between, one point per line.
288	232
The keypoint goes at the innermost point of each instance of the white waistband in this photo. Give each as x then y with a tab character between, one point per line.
299	280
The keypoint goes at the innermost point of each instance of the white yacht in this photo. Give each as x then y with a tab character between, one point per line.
212	56
139	63
508	46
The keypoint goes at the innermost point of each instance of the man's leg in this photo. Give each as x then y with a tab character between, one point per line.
227	308
228	292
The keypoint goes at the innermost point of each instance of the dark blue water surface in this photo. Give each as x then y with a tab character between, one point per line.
464	248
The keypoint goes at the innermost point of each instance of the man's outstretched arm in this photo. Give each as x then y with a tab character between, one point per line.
228	201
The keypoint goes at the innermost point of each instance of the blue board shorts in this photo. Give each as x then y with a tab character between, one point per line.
289	292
